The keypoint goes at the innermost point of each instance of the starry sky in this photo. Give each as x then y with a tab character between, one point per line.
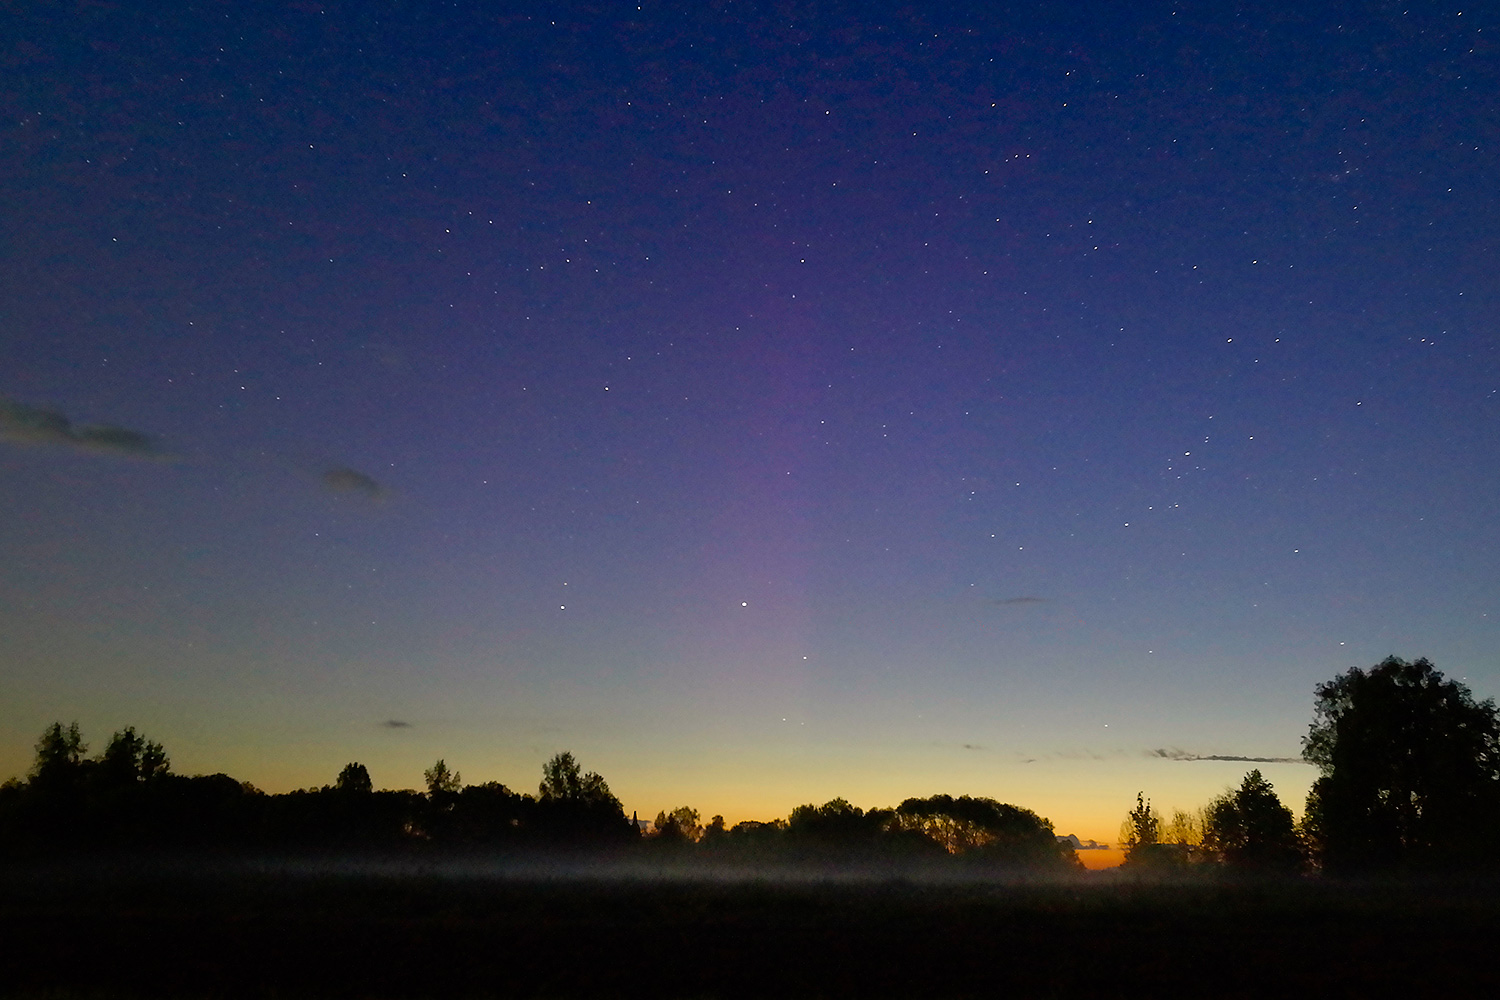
766	402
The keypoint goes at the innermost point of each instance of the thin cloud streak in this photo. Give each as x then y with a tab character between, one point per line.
31	425
342	479
1176	754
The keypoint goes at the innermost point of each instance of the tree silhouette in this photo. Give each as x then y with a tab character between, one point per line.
1183	828
834	822
354	779
52	807
130	759
1142	826
1252	830
982	829
1410	767
491	813
1140	835
715	833
59	757
563	779
573	805
680	825
441	781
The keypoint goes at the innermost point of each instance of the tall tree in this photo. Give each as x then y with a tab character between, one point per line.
1410	767
574	805
1140	835
563	779
1252	830
1142	826
440	780
130	759
59	758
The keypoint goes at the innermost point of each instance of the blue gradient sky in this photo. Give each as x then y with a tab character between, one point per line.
765	402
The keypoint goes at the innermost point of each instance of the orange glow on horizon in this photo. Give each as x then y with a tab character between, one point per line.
1109	857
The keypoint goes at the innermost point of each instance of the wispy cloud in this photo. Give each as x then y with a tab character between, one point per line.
22	424
342	479
395	724
1177	754
1023	599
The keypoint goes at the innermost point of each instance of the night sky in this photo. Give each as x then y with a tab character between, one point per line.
766	402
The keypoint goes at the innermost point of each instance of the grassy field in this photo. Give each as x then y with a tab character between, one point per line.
473	929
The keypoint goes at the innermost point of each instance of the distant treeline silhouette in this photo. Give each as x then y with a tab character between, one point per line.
128	799
1409	770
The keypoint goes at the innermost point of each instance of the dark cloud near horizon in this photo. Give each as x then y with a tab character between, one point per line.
1176	754
22	424
1024	599
395	724
1073	841
342	479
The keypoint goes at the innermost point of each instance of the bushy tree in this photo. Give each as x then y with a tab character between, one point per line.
1184	829
836	821
576	805
1142	825
681	824
982	828
491	813
1251	830
354	779
758	835
441	781
59	757
563	779
1140	835
715	833
1410	767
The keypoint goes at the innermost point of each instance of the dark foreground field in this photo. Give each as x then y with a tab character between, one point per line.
473	930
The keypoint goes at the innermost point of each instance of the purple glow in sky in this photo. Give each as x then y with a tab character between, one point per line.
766	403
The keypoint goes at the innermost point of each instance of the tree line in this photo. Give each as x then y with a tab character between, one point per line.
128	799
1409	780
1409	774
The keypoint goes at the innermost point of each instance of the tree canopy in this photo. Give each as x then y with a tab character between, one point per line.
1410	767
441	780
1252	830
354	779
1140	835
563	779
981	828
580	803
680	825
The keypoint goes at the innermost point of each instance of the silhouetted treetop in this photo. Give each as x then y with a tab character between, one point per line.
980	828
835	821
441	781
354	779
59	756
1251	829
563	780
1410	766
1140	835
578	806
681	824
